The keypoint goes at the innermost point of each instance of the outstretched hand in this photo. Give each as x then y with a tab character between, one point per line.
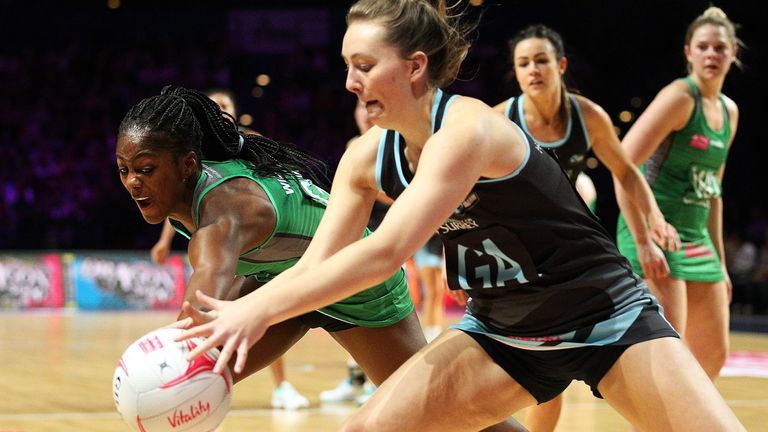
232	325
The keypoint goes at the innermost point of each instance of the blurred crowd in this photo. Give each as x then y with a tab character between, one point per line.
63	100
747	257
60	111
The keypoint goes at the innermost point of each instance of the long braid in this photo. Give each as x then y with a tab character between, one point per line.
195	123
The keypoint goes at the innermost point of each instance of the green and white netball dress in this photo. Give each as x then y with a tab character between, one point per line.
683	176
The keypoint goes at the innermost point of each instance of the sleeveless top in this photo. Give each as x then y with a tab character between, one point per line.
299	205
572	148
527	251
682	172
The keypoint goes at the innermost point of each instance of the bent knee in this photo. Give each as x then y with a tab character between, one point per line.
712	358
715	361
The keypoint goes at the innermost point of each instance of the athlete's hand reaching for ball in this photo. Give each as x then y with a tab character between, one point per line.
233	325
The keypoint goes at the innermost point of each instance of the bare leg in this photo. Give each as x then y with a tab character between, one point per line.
444	387
277	368
706	332
544	417
380	351
671	294
659	386
284	395
432	306
272	346
699	312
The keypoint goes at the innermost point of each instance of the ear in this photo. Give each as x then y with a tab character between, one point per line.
687	52
189	162
562	65
417	65
735	53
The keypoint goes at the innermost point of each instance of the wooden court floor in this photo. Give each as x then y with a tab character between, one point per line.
56	371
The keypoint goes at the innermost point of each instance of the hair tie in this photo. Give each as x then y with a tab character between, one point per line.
239	144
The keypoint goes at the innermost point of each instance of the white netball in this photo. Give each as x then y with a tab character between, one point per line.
157	390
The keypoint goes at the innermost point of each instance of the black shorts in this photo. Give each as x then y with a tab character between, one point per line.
546	374
330	324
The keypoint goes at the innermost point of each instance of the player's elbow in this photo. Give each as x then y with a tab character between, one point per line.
389	255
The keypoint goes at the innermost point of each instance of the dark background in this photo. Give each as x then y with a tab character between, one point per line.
68	75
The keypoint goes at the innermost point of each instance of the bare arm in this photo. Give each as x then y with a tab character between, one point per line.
668	112
715	229
634	196
362	263
234	217
715	221
351	211
450	164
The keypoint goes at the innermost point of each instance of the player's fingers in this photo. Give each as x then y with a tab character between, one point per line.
242	356
665	241
205	346
181	324
189	310
203	330
660	235
199	317
207	301
226	353
676	242
663	268
658	268
673	238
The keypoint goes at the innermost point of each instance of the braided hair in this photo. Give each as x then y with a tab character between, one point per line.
183	120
